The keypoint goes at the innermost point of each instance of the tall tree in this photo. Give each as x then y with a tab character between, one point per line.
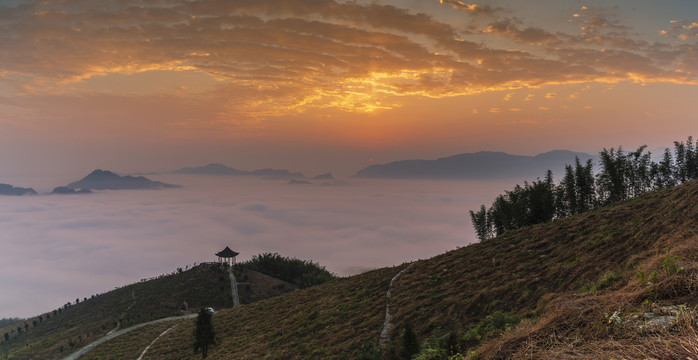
204	335
541	200
691	159
584	181
500	212
568	191
518	201
612	180
680	173
663	172
638	171
410	343
482	223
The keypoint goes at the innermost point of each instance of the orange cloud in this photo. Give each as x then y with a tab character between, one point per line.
682	30
529	35
471	8
269	58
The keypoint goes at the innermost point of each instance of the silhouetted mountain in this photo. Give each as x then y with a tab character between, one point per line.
6	189
476	166
220	169
64	190
107	180
327	176
210	169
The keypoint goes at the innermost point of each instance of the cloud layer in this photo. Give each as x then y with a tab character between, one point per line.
57	248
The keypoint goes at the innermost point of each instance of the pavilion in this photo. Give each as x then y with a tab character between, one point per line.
227	256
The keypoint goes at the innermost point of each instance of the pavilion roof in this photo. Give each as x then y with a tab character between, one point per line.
227	253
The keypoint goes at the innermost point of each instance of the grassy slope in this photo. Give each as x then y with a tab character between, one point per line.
130	345
254	286
87	321
313	322
585	263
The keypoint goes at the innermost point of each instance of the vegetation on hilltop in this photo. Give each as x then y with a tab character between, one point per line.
9	321
301	273
622	176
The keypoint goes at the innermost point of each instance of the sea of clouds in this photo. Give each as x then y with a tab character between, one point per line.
56	248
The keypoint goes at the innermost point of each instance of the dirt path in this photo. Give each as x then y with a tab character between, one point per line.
234	287
92	345
153	342
387	325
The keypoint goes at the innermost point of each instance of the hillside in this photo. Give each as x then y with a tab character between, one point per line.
60	332
588	286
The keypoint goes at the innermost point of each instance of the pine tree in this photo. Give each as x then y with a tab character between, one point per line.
410	344
204	335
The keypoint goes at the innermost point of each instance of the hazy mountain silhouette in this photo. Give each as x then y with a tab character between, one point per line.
220	169
327	176
107	180
6	189
210	169
476	166
299	182
64	190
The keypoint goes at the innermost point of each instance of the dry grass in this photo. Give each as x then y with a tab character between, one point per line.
129	345
575	326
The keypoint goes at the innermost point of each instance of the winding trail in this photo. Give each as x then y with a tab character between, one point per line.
387	325
153	342
105	338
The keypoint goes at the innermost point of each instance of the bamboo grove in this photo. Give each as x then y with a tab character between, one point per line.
621	176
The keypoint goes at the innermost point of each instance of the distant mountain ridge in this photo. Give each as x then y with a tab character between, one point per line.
220	169
6	189
476	166
107	180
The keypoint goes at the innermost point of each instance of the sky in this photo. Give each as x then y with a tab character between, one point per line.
326	85
149	86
